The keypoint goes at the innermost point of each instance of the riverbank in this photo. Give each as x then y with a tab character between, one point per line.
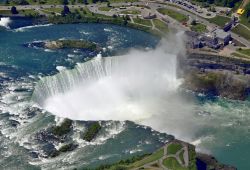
175	154
85	16
216	75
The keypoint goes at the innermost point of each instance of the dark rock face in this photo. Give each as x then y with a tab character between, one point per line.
206	62
204	162
219	76
64	44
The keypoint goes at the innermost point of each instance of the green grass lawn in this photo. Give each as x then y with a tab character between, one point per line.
142	21
192	157
245	21
105	8
155	156
162	26
134	12
51	2
29	12
242	31
172	163
219	20
173	148
5	12
173	14
239	55
115	1
181	156
199	28
244	51
52	10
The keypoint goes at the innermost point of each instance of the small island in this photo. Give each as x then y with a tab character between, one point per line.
64	44
60	44
62	129
92	131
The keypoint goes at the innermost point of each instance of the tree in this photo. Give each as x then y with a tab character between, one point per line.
193	22
65	10
14	10
65	2
247	8
108	4
23	2
85	2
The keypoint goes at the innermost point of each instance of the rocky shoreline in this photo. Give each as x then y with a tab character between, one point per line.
216	75
65	44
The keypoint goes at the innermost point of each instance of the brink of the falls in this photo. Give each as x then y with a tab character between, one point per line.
140	86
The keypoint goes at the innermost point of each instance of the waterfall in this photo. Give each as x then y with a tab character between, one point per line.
137	86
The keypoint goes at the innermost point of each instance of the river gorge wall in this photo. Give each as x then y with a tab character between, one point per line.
216	75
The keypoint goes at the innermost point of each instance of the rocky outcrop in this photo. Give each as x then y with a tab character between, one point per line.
204	161
216	75
59	44
64	44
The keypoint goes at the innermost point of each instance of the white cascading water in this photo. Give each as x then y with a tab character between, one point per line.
4	22
139	86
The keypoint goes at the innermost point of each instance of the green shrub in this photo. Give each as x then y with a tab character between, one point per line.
67	147
63	129
92	131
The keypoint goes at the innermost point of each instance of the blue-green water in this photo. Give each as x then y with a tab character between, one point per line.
224	132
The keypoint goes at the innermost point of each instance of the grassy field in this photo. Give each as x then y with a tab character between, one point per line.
52	10
173	148
142	21
5	12
192	158
172	163
29	12
181	156
219	20
134	12
155	156
239	55
244	51
105	8
199	28
114	1
162	26
242	31
244	21
173	14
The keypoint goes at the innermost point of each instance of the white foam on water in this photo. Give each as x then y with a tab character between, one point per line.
84	32
5	21
23	29
60	68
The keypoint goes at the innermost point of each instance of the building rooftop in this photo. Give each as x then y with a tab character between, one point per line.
240	11
221	33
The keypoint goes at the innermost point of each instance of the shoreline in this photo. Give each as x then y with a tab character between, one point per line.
57	20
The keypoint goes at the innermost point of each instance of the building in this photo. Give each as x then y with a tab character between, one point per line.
230	24
240	11
210	40
214	39
149	16
223	37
